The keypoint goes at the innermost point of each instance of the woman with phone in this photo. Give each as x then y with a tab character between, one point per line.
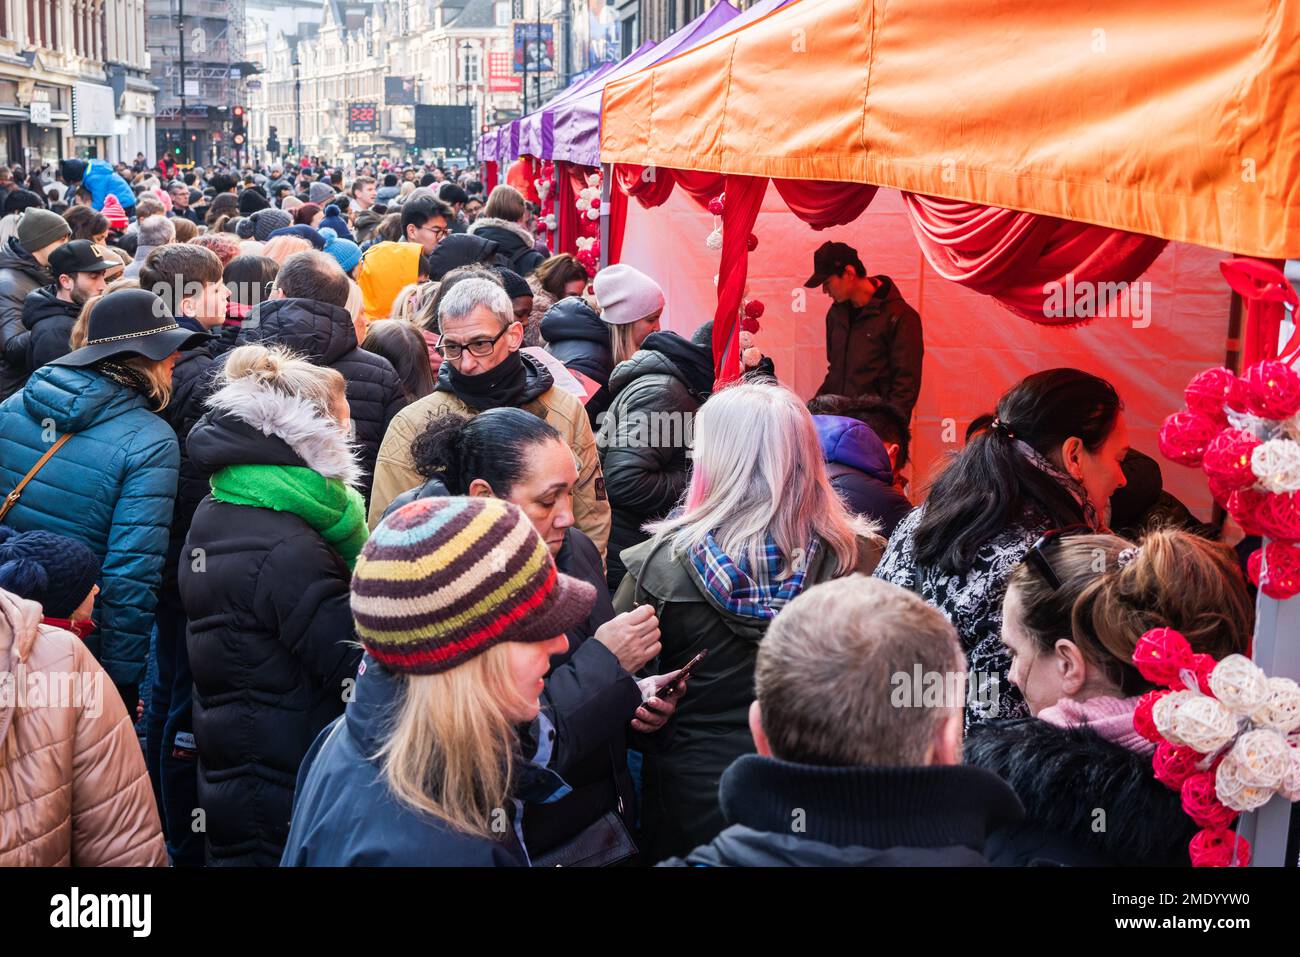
514	455
760	525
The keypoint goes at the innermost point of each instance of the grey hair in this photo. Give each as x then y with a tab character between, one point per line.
157	231
467	296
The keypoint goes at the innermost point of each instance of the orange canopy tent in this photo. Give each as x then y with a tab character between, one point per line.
1171	118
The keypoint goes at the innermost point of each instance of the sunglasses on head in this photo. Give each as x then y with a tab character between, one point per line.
1036	557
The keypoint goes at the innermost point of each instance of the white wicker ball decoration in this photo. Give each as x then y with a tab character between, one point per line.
1165	711
1204	724
1281	709
1239	683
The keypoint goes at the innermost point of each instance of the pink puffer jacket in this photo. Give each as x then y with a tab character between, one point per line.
73	785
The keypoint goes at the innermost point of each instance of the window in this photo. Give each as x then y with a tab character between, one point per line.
469	67
502	12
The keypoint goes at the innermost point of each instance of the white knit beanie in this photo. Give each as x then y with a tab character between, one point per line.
626	294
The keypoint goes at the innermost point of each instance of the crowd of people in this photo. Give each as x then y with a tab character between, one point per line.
338	483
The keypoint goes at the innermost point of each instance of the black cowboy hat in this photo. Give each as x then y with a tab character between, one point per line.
131	322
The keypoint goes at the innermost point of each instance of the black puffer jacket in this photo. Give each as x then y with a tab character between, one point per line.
47	324
324	334
1088	802
20	275
268	641
664	384
515	248
576	336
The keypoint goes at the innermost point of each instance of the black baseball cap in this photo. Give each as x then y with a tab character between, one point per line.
830	260
81	255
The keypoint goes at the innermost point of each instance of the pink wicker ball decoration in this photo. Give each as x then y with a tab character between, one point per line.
1275	569
1227	460
1185	435
1202	805
1243	505
1173	764
1217	847
1143	723
1160	656
716	206
1278	515
1208	393
1272	389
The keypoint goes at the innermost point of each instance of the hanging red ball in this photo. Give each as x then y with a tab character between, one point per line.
1173	764
1143	723
1185	435
1160	656
749	325
1203	664
1243	505
1217	847
754	309
751	242
1227	459
1208	393
1273	389
1275	569
1278	515
1202	804
716	206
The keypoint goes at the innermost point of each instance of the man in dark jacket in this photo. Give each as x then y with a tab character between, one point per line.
49	312
646	434
873	337
858	467
24	268
308	313
858	726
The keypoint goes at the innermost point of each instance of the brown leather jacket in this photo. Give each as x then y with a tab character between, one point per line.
73	785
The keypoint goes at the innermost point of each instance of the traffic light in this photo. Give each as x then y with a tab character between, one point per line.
238	114
273	141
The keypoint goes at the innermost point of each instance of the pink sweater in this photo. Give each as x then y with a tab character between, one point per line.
1112	718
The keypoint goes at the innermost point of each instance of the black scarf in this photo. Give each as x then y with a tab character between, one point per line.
123	374
502	387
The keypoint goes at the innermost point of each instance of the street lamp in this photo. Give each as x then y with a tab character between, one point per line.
465	48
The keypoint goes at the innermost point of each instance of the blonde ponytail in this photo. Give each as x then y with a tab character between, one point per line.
283	371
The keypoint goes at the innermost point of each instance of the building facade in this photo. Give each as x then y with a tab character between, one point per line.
74	81
198	65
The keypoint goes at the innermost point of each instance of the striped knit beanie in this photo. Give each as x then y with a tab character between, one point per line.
444	579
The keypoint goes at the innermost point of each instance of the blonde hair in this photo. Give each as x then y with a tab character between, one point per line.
505	202
758	472
281	370
451	750
356	307
621	344
407	302
281	248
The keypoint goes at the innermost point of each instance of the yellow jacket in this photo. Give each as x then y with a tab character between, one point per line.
395	469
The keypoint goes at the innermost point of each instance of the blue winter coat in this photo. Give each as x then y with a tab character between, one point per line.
111	486
859	469
101	179
345	816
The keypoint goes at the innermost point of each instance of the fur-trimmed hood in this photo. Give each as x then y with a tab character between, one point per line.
1087	800
491	222
249	424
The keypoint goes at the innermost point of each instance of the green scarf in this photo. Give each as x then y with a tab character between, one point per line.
333	509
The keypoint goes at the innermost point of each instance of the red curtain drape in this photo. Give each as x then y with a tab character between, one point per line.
825	204
566	214
489	175
1016	257
744	198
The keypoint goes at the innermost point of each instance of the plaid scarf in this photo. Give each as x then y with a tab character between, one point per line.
751	592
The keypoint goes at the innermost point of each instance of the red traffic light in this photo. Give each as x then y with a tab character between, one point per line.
239	139
238	111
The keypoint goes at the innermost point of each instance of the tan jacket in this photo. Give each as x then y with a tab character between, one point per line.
395	471
73	785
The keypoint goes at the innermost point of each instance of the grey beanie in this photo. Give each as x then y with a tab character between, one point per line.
320	193
39	228
267	221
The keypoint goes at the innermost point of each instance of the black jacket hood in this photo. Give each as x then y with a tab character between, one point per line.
667	353
459	250
14	257
220	438
1063	776
572	318
44	303
322	332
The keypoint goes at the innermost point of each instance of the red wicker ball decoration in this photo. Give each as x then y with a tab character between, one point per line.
1243	505
1203	665
1273	389
1143	723
749	325
1185	435
754	309
1281	578
1161	655
751	242
1202	805
1214	847
1208	393
1220	491
1278	515
1227	459
1174	764
716	206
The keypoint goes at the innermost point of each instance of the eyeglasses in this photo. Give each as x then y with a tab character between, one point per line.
478	348
1036	557
439	231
